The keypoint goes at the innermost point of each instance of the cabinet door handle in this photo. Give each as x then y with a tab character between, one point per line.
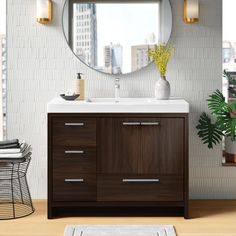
150	123
74	180
75	124
140	180
131	123
74	152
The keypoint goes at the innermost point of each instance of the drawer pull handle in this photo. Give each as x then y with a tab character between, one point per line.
74	180
74	152
75	124
131	123
149	123
140	180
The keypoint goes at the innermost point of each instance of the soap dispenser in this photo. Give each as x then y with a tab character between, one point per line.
79	86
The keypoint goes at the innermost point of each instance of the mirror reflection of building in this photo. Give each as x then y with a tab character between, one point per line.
85	32
113	58
139	53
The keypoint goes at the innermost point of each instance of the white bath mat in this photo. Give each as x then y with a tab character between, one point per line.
119	230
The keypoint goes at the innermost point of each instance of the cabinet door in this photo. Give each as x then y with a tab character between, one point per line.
120	145
162	146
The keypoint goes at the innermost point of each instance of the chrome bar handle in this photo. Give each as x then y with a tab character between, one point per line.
75	124
140	180
74	180
74	152
150	123
131	123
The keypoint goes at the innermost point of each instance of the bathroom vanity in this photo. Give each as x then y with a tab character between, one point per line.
131	154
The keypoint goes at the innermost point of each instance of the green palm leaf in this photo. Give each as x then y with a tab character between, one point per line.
209	132
217	104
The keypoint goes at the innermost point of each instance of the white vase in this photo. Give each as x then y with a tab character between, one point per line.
162	89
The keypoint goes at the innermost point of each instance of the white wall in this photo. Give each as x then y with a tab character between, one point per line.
2	59
40	66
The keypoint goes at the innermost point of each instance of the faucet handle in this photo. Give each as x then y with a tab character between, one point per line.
117	80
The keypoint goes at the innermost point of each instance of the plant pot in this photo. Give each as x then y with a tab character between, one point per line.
230	150
162	89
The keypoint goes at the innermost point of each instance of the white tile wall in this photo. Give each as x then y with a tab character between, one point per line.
40	66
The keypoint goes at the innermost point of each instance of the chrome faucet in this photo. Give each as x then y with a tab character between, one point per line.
117	89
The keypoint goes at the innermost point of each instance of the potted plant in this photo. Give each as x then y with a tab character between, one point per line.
222	124
161	56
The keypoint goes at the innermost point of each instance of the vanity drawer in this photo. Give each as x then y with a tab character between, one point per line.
71	186
74	132
81	160
140	188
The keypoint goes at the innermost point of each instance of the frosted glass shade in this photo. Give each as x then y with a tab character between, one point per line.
191	11
44	11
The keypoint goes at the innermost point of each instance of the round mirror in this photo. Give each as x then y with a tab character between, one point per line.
114	37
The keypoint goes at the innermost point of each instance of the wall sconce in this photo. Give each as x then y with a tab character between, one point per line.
44	11
191	11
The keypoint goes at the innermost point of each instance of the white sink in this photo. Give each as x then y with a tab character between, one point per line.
124	105
120	100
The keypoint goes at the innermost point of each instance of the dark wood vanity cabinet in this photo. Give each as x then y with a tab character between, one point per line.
117	160
141	146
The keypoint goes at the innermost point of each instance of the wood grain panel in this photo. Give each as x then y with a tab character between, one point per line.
74	191
120	148
74	136
74	162
111	188
162	146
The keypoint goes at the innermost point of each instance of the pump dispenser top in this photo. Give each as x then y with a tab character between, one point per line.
79	75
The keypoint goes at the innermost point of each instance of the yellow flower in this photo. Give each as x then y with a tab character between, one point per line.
161	56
